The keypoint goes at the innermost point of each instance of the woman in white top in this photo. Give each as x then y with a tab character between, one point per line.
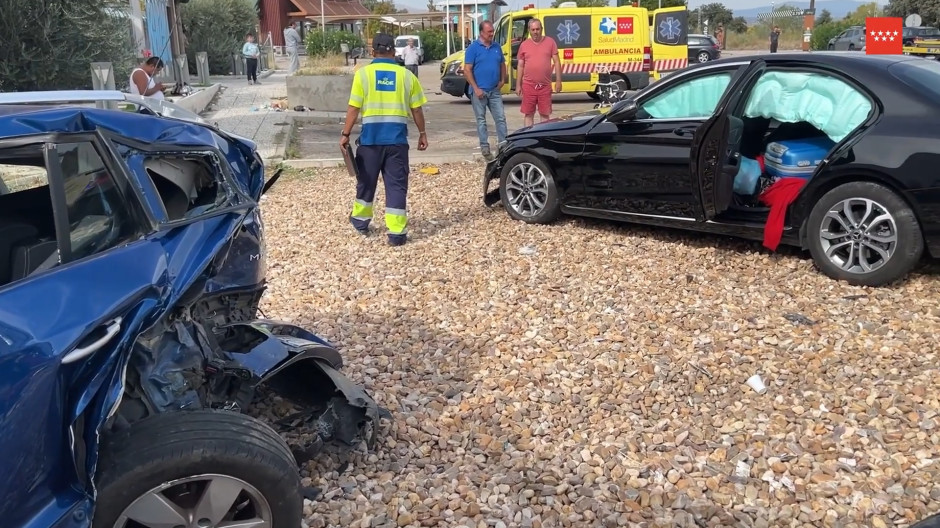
142	79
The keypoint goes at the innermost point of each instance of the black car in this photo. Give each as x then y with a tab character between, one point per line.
703	48
702	150
910	35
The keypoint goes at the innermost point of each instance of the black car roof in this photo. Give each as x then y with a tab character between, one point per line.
829	58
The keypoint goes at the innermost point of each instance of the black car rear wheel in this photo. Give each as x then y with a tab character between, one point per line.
864	233
527	190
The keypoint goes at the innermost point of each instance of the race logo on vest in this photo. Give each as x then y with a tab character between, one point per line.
385	81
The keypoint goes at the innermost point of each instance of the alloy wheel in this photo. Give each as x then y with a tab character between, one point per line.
703	57
858	235
527	189
202	501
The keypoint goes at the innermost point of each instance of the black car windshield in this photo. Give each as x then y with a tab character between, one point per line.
921	75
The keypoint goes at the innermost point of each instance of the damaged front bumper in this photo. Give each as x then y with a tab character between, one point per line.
490	173
301	367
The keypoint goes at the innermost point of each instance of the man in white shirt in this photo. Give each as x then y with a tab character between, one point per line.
292	42
410	56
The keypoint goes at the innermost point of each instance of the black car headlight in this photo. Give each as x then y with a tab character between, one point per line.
453	67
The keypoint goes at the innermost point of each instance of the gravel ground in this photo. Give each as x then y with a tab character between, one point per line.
593	374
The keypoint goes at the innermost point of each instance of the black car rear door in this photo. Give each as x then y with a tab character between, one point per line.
716	155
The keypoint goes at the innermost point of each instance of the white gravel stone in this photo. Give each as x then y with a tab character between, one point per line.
597	376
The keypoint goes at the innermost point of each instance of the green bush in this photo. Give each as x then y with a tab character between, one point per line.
823	32
435	44
217	27
50	45
320	44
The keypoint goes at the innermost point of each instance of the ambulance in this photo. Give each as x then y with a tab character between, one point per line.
630	43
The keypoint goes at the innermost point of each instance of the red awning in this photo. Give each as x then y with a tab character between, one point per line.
332	8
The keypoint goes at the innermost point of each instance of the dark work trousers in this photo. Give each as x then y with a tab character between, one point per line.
392	162
252	67
413	68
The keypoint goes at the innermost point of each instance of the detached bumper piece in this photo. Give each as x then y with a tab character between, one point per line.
304	369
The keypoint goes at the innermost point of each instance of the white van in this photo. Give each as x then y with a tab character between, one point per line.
402	42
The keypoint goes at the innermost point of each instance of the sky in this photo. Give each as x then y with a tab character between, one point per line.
515	5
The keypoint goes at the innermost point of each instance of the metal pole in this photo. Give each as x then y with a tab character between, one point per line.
322	26
447	23
463	39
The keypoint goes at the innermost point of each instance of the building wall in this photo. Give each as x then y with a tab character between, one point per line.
158	31
274	19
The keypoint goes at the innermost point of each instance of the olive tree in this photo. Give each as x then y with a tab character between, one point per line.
50	44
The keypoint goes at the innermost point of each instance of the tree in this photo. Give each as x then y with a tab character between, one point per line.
584	3
217	27
824	17
863	11
712	14
737	25
50	45
929	10
432	6
654	4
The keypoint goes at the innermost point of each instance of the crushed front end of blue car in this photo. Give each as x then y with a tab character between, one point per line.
132	264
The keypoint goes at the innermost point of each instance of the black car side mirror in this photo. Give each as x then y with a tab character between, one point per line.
623	111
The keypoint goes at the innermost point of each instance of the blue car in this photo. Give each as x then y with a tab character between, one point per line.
132	262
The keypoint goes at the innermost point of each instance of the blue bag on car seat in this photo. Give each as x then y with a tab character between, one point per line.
745	183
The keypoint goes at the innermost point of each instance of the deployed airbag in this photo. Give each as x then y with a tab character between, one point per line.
828	103
696	98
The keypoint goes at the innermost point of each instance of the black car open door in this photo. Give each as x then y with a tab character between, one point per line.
716	155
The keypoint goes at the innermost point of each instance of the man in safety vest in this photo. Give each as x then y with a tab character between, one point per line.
385	93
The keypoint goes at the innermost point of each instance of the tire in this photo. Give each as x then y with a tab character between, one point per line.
526	169
851	47
703	57
831	47
229	448
826	233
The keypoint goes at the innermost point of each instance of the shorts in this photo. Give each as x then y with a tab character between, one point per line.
536	96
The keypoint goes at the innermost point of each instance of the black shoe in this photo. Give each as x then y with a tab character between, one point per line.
397	240
363	232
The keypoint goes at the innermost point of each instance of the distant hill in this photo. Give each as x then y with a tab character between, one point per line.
838	8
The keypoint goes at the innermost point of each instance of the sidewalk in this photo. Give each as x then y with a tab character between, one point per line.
240	109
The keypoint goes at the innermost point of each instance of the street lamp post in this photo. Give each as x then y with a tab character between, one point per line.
322	26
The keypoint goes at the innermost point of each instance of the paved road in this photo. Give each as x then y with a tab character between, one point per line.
451	125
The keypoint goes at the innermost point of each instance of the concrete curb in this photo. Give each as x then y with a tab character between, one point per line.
198	101
420	159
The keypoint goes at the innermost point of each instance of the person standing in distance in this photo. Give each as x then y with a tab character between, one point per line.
386	94
292	43
251	51
538	56
410	57
774	39
485	70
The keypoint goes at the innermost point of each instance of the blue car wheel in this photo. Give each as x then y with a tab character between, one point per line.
198	468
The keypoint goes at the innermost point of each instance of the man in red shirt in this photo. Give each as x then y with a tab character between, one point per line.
538	56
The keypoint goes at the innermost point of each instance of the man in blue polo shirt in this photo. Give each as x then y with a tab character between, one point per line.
485	70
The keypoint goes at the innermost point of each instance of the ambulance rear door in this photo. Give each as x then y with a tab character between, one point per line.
669	38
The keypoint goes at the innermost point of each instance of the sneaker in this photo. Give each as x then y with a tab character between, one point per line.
257	82
249	82
487	154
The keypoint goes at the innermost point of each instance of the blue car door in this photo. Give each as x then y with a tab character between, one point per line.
75	269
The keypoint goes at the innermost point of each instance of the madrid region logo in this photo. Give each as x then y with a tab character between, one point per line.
670	29
568	32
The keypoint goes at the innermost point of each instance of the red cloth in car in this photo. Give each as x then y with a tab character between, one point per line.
778	197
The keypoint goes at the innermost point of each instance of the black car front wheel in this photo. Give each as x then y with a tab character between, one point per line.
865	234
703	56
197	468
527	190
